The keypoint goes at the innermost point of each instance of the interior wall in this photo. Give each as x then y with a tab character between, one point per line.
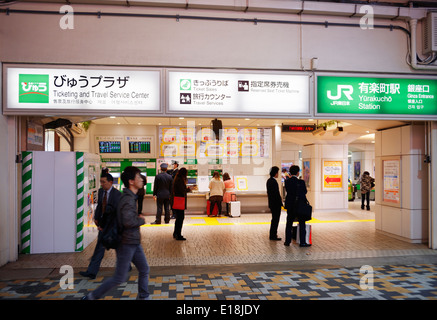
138	41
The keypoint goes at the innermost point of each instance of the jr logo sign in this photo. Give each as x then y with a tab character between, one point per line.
346	89
33	88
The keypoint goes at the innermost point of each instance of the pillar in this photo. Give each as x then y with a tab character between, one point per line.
327	191
401	208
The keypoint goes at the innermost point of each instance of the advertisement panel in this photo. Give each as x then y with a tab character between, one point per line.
376	96
332	175
81	91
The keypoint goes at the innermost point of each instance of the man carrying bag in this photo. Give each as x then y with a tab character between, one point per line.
295	201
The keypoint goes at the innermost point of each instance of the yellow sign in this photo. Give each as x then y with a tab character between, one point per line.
332	174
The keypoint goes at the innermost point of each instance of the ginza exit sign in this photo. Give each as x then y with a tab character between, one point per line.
364	95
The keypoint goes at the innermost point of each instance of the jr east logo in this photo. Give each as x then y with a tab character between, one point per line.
33	88
343	91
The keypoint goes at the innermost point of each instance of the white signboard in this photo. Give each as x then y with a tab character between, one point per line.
81	90
246	93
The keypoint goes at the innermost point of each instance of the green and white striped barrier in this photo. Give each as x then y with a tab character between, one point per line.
26	197
80	200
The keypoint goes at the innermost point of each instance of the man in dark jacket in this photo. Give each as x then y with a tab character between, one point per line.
275	202
130	249
108	198
296	193
161	194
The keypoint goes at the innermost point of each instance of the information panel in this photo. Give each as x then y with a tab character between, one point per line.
247	93
364	95
39	90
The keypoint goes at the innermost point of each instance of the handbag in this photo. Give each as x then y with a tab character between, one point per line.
178	203
305	210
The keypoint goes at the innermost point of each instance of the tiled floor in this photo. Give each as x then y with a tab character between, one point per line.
224	240
232	258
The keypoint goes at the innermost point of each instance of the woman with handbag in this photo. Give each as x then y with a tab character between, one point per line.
179	201
296	196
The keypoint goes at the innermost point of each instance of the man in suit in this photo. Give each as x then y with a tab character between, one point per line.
108	198
161	194
275	202
296	193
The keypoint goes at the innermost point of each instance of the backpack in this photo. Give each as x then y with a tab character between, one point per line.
111	234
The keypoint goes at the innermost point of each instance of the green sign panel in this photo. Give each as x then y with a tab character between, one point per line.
33	88
356	95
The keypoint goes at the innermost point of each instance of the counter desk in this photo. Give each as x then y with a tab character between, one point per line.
251	202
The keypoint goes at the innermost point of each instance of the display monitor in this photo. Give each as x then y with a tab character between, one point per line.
192	181
110	146
139	146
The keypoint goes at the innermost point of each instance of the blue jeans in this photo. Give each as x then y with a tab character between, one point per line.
125	254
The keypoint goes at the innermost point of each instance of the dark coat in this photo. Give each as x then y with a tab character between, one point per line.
296	192
111	206
162	185
274	197
179	190
127	215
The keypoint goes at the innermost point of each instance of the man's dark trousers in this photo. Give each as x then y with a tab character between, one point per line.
166	203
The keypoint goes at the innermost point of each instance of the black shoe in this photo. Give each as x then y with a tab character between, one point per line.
304	245
362	207
276	239
173	217
180	238
155	222
287	244
368	208
87	274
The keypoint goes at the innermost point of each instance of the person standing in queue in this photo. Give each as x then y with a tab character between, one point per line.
179	189
130	249
229	190
161	194
296	193
107	202
216	187
275	202
173	173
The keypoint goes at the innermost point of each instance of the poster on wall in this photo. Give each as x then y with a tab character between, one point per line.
306	172
332	175
391	174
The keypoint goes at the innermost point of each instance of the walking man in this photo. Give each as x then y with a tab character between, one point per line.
108	198
130	249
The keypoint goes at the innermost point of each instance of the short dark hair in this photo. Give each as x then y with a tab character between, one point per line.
108	176
273	171
129	173
294	170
